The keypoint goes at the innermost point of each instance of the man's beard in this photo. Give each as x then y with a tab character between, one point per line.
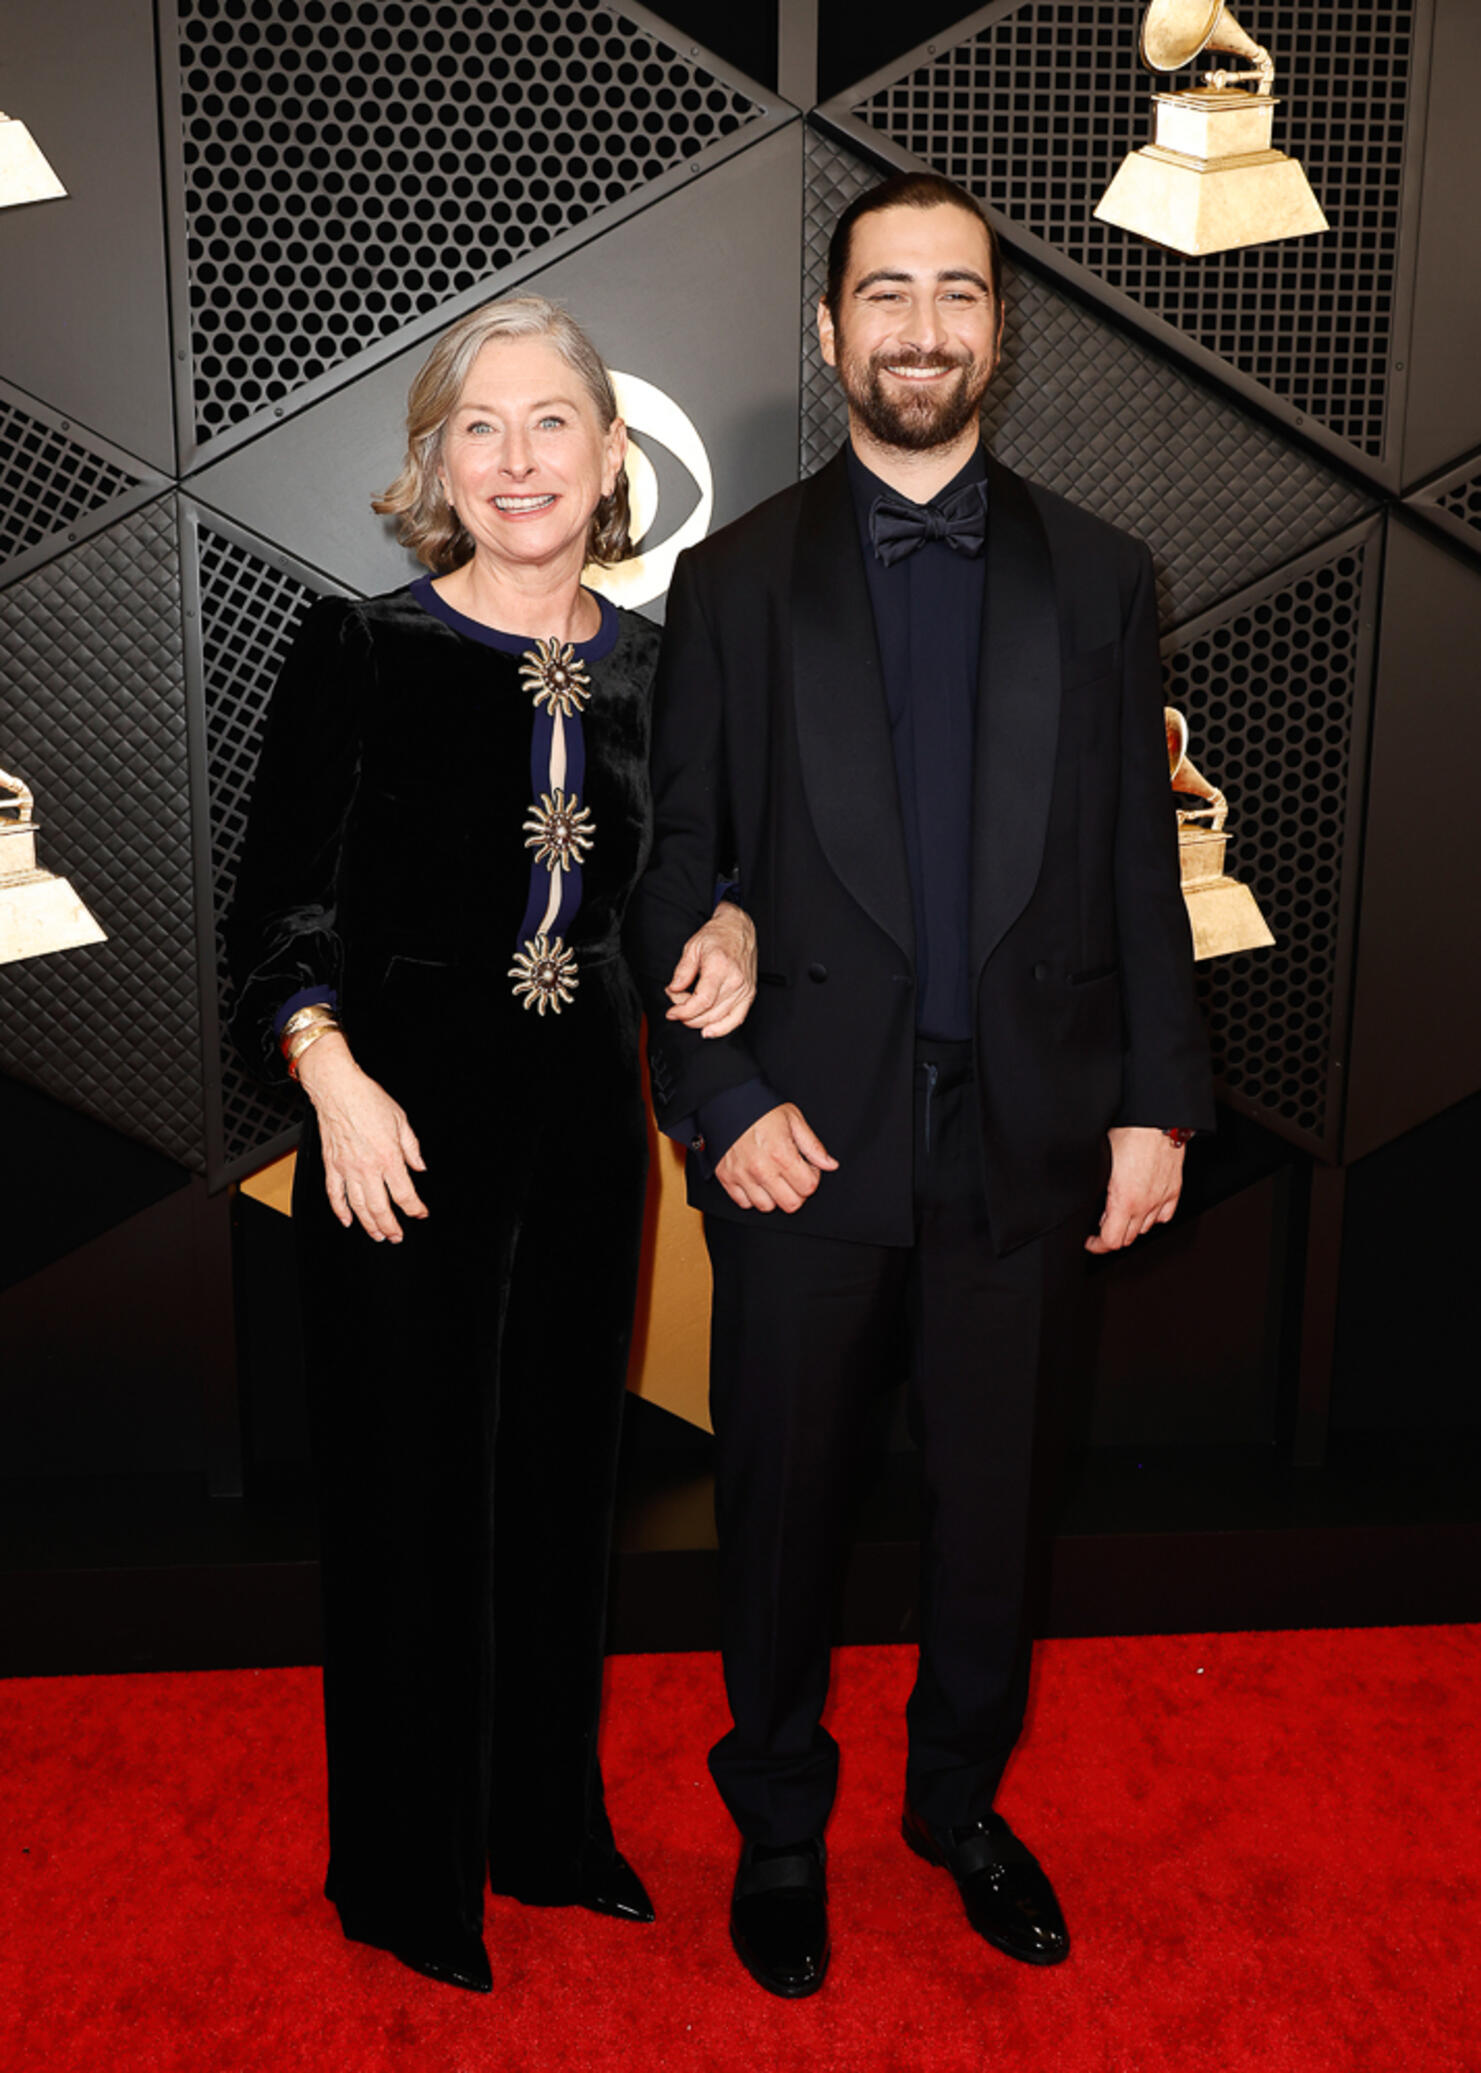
916	420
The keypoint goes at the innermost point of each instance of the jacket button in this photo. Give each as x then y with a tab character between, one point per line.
1041	971
696	1144
818	972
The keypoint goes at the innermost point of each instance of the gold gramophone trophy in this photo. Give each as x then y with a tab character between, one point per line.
1222	913
1212	179
39	912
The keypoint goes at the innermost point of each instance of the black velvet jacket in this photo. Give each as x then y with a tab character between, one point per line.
387	822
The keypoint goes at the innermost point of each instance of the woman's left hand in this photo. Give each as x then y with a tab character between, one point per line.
714	982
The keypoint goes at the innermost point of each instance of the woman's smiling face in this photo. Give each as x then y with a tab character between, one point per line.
525	459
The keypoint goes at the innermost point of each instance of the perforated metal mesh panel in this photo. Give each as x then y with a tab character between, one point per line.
249	612
1464	502
47	481
1270	683
352	164
1454	502
92	715
1082	408
1036	111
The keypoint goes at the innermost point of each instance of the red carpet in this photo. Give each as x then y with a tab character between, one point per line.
1268	1848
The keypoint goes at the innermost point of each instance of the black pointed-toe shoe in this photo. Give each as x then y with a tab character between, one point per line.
1005	1890
470	1970
779	1916
612	1887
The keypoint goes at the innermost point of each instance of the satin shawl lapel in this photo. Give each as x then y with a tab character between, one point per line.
843	732
1018	692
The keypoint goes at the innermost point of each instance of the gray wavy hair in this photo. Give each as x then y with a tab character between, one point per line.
426	522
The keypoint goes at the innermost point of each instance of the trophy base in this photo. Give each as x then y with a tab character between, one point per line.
1211	183
40	913
1224	917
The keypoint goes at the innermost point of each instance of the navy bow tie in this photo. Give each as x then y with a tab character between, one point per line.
897	527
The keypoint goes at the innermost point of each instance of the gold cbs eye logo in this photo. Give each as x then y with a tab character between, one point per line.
646	573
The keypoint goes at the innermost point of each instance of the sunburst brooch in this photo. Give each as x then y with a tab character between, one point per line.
545	972
560	832
558	680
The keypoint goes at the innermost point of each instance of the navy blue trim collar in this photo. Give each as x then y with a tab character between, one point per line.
601	644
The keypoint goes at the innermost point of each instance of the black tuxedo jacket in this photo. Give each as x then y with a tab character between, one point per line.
772	757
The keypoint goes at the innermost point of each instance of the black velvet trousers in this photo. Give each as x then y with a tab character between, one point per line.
806	1332
466	1389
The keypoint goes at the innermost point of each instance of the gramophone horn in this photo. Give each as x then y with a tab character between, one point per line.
1175	31
1185	777
1177	738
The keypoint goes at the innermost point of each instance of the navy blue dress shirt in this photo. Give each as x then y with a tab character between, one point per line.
928	623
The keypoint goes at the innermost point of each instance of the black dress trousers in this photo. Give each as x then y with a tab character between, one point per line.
807	1331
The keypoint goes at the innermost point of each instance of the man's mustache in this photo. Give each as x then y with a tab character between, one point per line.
934	362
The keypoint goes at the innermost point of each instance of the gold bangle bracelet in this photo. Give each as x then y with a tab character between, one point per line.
305	1040
316	1011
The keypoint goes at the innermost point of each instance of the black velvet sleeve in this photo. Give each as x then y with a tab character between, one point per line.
282	928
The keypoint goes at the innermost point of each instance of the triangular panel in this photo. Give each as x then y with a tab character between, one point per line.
57	485
346	171
1453	500
86	305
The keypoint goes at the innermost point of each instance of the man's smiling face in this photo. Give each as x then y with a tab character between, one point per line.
918	329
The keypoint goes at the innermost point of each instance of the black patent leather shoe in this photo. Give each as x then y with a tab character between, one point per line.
471	1971
612	1887
779	1916
1005	1890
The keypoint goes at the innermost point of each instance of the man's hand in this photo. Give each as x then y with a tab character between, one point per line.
1146	1180
714	982
776	1164
370	1150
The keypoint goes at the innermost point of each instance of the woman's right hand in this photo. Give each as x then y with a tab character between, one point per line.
370	1150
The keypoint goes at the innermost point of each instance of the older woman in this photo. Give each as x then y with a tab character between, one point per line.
451	811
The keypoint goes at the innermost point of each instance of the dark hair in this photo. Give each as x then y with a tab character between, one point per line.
906	191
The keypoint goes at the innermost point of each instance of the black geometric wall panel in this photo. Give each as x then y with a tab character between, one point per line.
1454	502
350	165
1416	1016
52	482
694	295
1275	686
249	611
84	289
1035	108
1086	409
92	715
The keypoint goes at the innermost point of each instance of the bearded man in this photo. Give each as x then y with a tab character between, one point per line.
913	706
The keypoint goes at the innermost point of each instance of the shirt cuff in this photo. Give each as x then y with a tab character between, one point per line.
717	1123
306	997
